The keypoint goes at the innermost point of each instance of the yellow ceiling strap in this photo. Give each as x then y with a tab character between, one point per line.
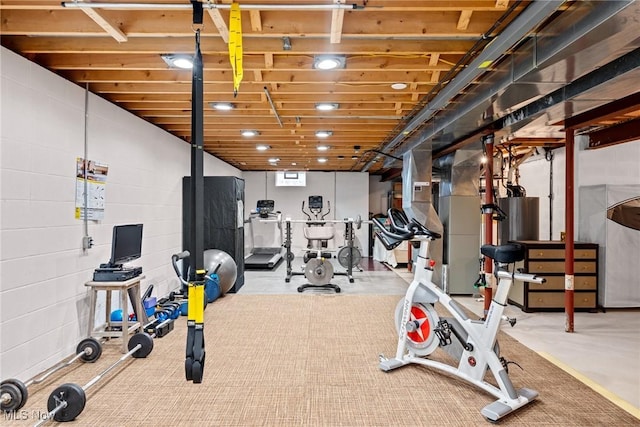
235	45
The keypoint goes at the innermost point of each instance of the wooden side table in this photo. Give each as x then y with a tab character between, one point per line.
129	287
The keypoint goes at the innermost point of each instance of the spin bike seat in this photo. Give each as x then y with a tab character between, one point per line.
506	254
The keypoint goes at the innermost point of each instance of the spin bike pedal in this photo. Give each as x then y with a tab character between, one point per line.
443	332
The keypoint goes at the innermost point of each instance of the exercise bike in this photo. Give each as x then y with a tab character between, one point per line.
471	342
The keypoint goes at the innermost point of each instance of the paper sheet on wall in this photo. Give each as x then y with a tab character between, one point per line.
94	181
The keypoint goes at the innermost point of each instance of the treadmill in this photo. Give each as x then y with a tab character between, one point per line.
264	257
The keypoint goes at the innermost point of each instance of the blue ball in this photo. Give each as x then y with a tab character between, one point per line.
212	287
116	316
184	308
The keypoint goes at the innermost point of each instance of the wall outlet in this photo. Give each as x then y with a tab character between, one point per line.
87	242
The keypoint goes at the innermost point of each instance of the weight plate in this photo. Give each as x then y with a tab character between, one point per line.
75	398
196	372
423	340
91	349
12	397
358	222
290	256
318	271
343	257
23	389
146	343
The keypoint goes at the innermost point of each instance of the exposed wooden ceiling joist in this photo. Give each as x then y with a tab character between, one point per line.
117	52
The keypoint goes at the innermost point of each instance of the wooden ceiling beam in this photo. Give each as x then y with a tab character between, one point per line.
182	87
337	78
288	110
256	20
111	29
320	122
128	100
337	21
464	19
176	23
394	5
219	23
268	61
212	44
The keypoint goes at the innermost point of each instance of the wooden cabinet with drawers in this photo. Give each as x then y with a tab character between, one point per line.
546	259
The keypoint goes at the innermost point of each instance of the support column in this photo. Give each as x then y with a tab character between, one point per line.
569	234
488	222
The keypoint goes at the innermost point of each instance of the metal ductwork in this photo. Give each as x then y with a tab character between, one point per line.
459	208
552	71
416	200
526	22
460	173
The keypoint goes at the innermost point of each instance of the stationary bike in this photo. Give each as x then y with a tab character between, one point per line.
471	342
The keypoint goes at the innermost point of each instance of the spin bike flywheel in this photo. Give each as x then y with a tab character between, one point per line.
422	340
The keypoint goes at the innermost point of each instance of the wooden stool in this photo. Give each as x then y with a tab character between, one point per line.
130	287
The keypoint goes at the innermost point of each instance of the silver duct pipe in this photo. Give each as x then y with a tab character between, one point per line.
459	208
531	17
552	60
460	173
416	200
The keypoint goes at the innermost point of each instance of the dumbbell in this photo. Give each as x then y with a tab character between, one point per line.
67	401
14	393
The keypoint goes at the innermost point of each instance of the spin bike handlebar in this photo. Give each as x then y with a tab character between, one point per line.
402	225
401	229
395	236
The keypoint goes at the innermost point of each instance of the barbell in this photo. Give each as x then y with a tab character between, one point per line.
14	393
358	221
67	401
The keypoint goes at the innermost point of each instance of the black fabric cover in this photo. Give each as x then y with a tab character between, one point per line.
221	231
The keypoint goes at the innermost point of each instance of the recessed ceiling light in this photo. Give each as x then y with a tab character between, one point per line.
399	86
329	62
327	106
249	132
340	157
324	133
322	160
223	106
262	147
274	160
322	147
184	62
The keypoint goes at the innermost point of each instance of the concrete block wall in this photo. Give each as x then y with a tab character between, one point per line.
43	301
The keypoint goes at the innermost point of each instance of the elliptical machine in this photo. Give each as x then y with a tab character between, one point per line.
471	342
317	268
